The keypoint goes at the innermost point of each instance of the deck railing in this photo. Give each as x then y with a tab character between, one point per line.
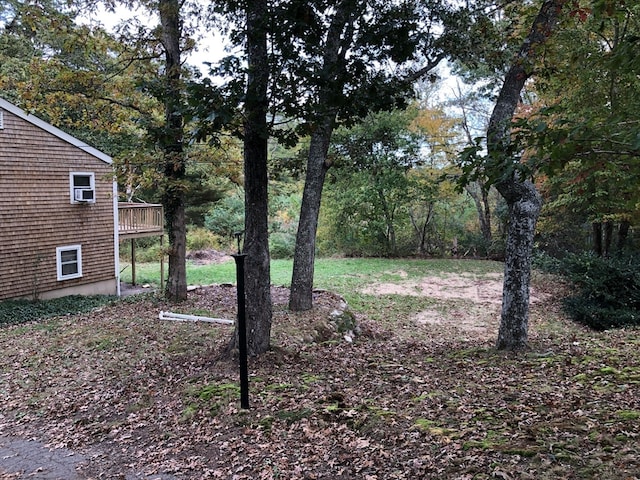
140	220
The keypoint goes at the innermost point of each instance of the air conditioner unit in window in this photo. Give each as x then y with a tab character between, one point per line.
84	195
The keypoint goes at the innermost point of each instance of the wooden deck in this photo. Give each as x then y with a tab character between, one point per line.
137	220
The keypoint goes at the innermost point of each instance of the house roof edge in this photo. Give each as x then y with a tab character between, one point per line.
9	107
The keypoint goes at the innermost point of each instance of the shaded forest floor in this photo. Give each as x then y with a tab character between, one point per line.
417	392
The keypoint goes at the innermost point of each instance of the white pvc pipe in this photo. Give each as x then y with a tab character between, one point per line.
193	318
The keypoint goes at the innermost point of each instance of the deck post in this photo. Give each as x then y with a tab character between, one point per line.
140	220
162	263
133	261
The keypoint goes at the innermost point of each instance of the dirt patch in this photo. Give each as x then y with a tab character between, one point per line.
206	257
475	321
481	296
478	290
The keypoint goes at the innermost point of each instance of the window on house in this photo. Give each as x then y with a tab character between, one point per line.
69	262
82	187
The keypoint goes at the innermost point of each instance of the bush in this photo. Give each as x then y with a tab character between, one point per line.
541	260
202	239
282	245
609	290
147	250
150	254
226	217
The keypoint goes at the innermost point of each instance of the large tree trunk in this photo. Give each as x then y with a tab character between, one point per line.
524	203
256	246
338	39
174	158
521	196
301	297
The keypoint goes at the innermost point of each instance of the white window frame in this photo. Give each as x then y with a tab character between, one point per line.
73	187
59	263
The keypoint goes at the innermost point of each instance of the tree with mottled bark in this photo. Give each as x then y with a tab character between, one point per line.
523	200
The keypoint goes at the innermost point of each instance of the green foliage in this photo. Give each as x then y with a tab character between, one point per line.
330	59
284	207
584	134
609	290
372	189
227	216
282	244
202	239
21	311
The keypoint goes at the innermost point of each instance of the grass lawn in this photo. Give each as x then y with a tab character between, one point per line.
342	275
418	392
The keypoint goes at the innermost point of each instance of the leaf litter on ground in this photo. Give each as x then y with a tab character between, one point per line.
404	399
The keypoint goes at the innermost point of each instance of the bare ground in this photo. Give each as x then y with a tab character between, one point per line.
422	395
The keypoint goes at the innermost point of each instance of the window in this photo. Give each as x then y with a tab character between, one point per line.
69	262
82	187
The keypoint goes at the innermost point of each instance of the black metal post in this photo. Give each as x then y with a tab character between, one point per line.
242	328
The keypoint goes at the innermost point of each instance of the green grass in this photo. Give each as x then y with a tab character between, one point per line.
345	276
342	275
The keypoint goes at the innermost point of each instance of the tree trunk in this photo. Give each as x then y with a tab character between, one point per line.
173	203
596	228
256	246
480	196
390	233
524	203
174	158
521	196
421	231
608	238
301	297
623	234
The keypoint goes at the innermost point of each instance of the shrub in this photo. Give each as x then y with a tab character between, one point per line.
147	250
282	245
202	239
149	255
226	217
541	260
609	288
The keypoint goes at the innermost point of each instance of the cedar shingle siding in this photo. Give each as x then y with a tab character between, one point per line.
36	214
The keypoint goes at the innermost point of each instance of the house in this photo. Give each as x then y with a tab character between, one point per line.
58	212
